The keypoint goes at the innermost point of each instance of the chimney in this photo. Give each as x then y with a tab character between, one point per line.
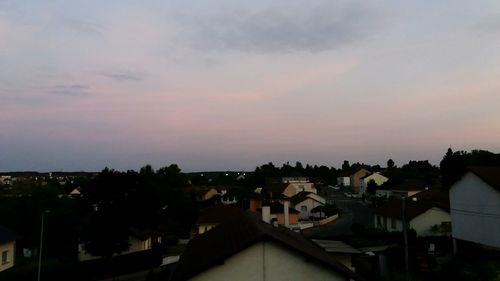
266	214
286	205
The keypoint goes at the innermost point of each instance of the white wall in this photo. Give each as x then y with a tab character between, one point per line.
421	224
425	221
268	261
309	204
475	211
10	248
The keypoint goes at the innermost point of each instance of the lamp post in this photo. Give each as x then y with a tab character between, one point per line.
41	244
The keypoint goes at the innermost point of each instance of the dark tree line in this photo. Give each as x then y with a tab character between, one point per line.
454	164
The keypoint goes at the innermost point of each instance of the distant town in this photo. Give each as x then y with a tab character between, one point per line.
280	221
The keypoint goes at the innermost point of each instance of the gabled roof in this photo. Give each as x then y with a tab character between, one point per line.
277	188
6	235
302	196
371	174
227	239
490	175
425	200
408	184
217	214
333	246
278	208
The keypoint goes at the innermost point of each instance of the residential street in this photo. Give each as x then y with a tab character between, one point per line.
353	211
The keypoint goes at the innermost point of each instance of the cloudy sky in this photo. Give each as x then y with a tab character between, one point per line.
232	84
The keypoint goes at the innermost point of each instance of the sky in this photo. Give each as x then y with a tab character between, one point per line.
233	84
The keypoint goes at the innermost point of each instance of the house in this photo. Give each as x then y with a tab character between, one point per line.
289	186
214	215
344	179
406	188
7	248
246	248
139	240
475	206
305	202
282	214
341	251
355	178
202	193
426	212
300	184
376	177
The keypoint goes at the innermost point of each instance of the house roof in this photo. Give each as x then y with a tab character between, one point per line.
278	208
333	246
6	235
227	239
408	185
425	200
490	175
371	174
277	188
217	214
302	196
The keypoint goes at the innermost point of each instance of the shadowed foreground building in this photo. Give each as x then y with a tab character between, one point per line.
246	248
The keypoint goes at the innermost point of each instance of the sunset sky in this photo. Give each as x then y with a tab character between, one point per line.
232	84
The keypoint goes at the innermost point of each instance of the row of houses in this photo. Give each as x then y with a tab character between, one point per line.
469	211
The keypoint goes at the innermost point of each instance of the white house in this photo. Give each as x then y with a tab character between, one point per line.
249	249
7	248
475	206
427	213
406	188
304	202
376	177
344	180
139	240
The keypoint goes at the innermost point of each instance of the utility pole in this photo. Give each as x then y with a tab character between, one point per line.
407	269
41	244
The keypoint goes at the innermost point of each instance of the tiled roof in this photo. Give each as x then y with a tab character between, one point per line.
490	175
299	197
415	205
333	246
409	184
278	208
214	247
217	214
6	235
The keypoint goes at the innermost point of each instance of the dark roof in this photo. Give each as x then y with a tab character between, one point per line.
217	214
276	188
490	175
227	239
408	184
278	208
301	196
6	235
425	200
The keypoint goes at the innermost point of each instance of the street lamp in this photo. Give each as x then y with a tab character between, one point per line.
41	244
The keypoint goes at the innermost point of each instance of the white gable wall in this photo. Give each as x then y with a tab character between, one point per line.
268	261
425	221
475	211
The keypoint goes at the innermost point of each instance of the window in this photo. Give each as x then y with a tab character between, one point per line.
379	221
303	208
5	257
393	223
